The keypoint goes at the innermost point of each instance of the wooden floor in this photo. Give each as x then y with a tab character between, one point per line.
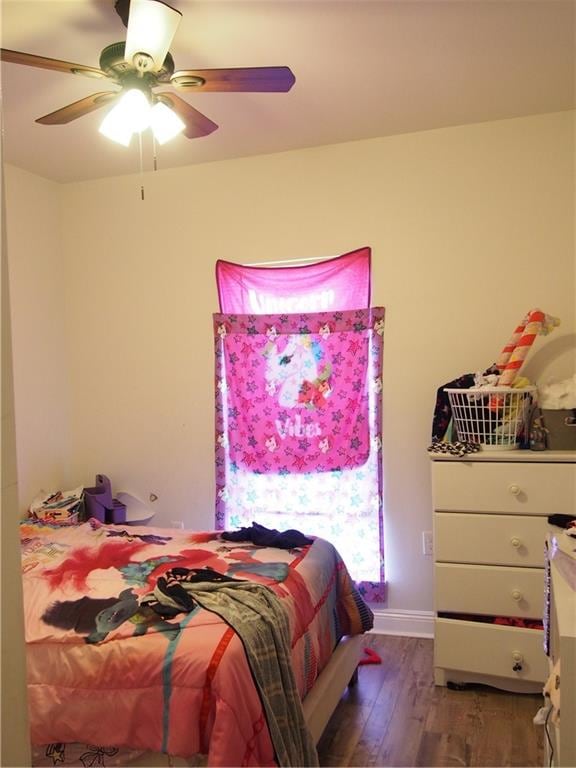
396	716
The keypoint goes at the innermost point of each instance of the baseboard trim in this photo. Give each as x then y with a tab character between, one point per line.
407	623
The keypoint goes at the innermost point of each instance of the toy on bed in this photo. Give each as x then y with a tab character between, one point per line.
181	643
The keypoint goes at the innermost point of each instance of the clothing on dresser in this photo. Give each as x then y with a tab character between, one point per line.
442	410
458	448
562	521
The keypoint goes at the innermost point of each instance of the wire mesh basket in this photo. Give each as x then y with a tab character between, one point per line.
494	417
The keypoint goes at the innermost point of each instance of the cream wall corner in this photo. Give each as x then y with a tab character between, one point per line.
41	362
14	737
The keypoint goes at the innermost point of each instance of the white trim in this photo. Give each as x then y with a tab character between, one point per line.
407	623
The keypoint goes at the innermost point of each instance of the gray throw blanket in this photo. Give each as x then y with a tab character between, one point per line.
259	619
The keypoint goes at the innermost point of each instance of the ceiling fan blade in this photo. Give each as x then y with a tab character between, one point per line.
78	108
254	79
151	28
30	60
196	123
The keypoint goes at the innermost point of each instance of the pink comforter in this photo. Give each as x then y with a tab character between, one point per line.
102	670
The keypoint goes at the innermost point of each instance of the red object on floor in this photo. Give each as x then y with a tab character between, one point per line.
370	657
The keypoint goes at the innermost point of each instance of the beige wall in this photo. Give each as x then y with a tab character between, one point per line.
14	741
470	227
41	365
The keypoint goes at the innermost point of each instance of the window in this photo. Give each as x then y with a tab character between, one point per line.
298	406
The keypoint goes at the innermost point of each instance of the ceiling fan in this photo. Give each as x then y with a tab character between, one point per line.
140	65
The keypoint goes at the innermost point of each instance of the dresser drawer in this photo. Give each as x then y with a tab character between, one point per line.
490	539
509	487
489	590
490	649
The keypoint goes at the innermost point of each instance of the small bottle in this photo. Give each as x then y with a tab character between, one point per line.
537	433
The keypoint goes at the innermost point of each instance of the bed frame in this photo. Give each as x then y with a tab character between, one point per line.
318	705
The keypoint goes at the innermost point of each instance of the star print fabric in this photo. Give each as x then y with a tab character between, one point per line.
298	419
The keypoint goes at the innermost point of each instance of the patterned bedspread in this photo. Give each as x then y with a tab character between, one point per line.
105	667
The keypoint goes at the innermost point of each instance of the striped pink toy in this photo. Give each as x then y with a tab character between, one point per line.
511	344
536	323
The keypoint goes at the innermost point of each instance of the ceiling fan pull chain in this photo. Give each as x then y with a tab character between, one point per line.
141	166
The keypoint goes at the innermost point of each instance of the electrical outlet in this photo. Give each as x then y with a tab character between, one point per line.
427	543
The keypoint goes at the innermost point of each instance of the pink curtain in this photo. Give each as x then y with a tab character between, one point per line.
298	429
339	283
298	405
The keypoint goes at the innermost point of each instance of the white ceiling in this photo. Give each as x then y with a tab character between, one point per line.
363	68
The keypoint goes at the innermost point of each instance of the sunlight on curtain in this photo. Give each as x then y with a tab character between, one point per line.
298	423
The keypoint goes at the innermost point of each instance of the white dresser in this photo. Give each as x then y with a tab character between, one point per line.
490	526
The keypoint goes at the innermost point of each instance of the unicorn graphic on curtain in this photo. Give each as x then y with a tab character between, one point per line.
296	373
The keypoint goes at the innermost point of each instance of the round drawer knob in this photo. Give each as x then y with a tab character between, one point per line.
516	594
514	489
515	541
518	660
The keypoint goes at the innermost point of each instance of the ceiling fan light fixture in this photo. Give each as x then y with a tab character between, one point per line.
133	114
115	128
165	123
136	109
151	29
130	115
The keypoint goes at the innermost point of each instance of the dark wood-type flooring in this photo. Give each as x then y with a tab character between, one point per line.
396	716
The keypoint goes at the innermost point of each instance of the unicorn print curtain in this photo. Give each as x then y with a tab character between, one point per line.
298	429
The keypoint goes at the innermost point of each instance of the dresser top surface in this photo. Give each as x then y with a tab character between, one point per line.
557	457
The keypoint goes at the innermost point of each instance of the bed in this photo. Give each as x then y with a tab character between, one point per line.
119	673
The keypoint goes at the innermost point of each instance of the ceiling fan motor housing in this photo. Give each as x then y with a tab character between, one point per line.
112	62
